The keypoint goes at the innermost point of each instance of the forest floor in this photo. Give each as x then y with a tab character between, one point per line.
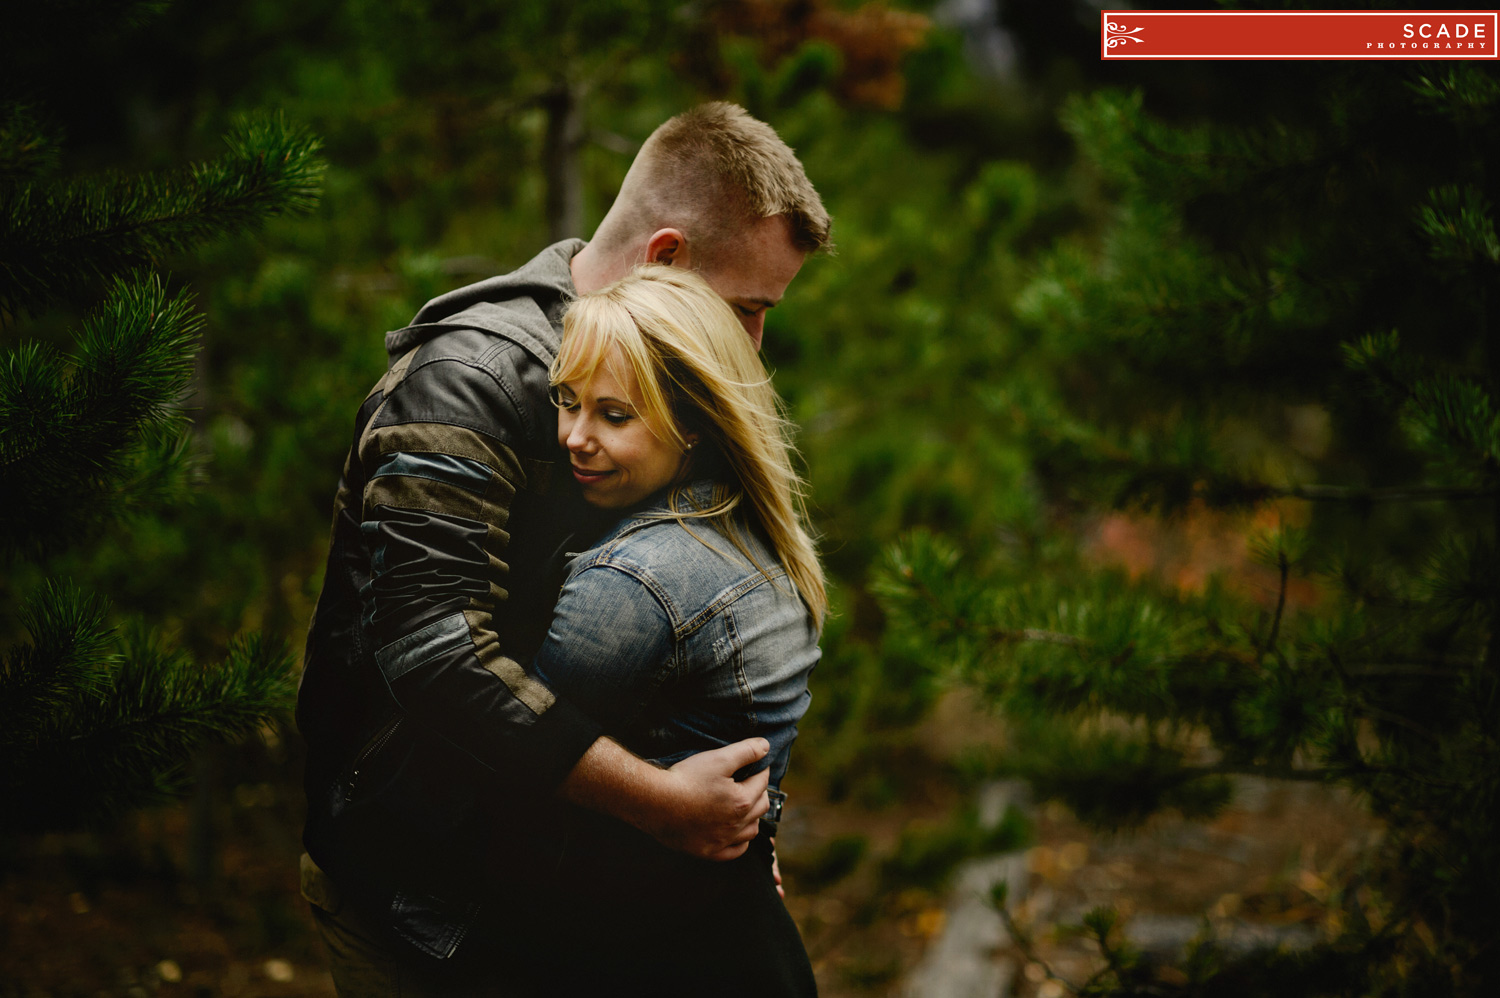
1266	869
117	915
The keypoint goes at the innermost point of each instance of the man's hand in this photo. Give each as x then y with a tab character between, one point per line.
695	807
715	817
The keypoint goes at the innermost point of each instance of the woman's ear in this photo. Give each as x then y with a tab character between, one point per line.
689	441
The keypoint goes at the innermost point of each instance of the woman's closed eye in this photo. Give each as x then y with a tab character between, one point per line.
563	397
611	412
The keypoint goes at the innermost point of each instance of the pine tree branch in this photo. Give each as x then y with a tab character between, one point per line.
997	635
1363	704
63	663
26	149
1397	670
1120	961
1269	772
1023	939
160	705
58	241
70	439
1283	567
29	24
126	744
172	732
1411	493
1034	634
1434	660
1390	717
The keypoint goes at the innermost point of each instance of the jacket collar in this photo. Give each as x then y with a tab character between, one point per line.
525	305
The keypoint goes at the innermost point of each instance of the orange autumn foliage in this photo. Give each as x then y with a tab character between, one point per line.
873	40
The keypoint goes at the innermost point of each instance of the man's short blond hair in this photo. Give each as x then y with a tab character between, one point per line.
712	172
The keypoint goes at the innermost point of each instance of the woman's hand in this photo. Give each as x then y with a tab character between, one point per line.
776	872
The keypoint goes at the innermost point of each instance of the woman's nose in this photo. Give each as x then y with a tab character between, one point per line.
579	437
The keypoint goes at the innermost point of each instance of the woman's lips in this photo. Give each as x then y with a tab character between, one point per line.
587	477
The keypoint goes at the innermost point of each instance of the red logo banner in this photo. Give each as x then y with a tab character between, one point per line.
1303	34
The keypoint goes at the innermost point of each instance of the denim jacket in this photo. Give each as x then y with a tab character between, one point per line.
675	642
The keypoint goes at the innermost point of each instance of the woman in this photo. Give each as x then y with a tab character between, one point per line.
692	624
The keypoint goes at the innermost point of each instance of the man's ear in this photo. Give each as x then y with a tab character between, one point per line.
668	246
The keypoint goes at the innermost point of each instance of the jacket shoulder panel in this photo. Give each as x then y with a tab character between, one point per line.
470	379
694	568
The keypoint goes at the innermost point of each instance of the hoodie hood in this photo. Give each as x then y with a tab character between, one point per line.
524	306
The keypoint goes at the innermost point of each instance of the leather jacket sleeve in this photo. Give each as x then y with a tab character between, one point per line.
442	462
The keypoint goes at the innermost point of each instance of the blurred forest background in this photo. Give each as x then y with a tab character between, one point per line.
1148	410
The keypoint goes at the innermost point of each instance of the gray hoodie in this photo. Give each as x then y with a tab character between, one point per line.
518	305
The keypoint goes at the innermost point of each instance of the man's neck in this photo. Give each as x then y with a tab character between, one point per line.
585	268
594	267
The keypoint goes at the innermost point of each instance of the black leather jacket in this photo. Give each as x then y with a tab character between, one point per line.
428	743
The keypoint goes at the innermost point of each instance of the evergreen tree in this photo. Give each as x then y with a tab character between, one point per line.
97	715
1329	260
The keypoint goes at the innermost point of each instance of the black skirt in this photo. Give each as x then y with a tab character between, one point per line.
620	915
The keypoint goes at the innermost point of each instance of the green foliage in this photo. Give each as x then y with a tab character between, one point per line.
433	117
925	855
68	631
1072	644
902	364
1459	226
26	150
435	120
1208	967
1302	260
93	723
61	237
97	436
832	862
1112	778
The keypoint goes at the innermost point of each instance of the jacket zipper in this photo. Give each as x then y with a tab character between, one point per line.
376	744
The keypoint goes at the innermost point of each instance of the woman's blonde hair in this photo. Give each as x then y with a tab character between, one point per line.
698	372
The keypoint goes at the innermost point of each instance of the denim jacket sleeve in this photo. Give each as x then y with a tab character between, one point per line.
675	642
610	645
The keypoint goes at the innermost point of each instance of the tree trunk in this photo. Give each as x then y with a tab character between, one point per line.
564	140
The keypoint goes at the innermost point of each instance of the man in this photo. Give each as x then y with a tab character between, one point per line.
433	755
